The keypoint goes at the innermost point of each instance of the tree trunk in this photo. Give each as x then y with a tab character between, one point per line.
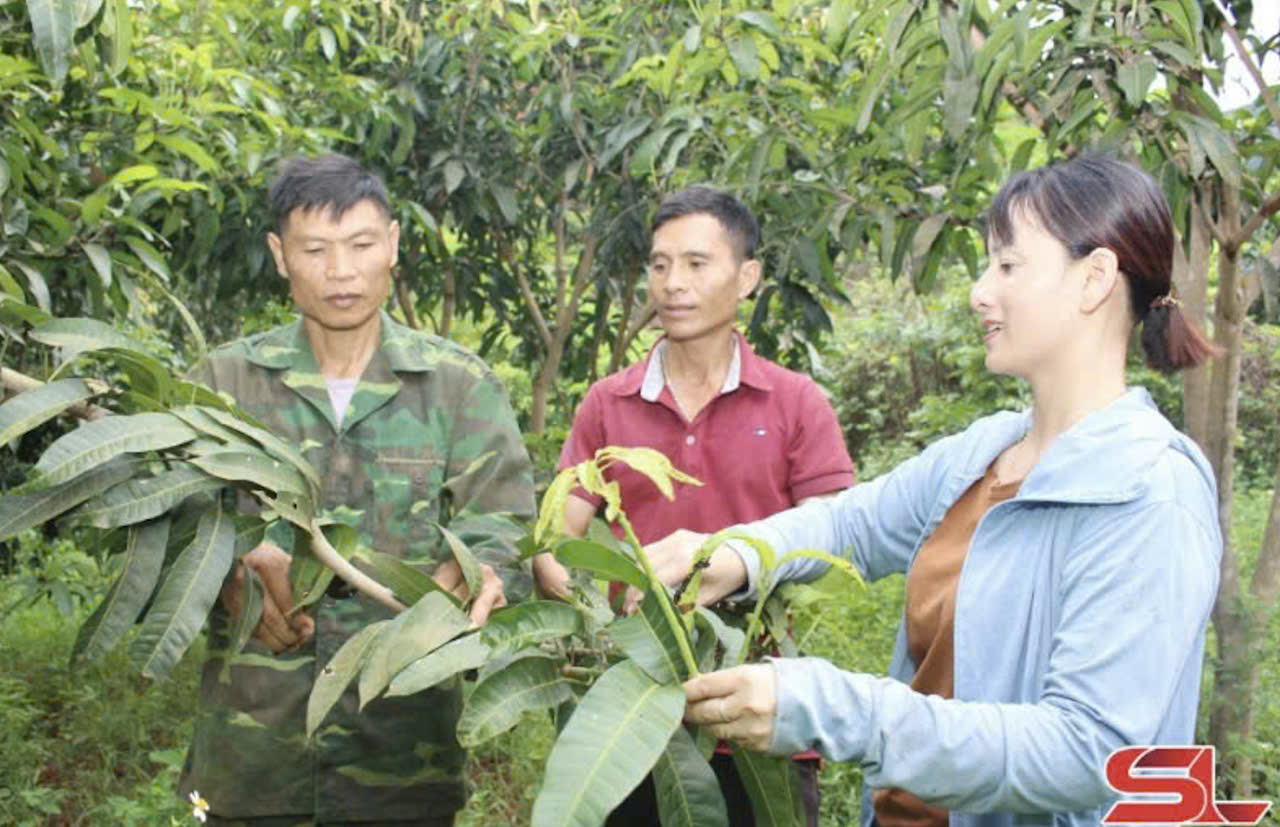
449	301
1232	712
1191	283
604	303
621	341
544	382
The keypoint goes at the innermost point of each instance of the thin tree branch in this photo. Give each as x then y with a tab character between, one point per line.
1268	208
1249	64
14	382
526	291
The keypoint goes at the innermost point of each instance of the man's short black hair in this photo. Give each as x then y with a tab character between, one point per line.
334	182
733	215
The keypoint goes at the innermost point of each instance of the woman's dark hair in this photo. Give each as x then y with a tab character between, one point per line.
1094	201
334	182
733	215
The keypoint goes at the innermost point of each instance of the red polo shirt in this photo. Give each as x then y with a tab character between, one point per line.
768	440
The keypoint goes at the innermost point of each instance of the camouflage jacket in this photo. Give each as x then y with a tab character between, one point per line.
423	411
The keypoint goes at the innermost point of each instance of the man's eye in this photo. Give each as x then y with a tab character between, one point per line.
311	251
363	245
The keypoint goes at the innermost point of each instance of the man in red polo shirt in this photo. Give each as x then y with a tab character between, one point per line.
760	437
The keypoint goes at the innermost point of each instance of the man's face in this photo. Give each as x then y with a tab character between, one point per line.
695	277
339	270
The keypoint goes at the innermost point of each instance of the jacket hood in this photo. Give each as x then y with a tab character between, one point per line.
1108	457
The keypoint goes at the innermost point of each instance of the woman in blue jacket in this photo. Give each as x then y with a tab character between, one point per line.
1061	562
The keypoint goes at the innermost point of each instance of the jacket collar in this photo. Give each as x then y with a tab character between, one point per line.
1107	457
287	349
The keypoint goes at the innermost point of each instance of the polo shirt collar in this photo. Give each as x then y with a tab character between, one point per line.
742	370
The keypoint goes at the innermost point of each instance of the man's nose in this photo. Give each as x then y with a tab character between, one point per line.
341	264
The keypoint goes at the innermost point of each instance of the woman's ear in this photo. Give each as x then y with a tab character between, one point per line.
1101	275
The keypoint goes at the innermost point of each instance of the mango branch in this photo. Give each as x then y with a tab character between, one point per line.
357	579
15	383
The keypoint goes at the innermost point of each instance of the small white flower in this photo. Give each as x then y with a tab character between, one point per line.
199	807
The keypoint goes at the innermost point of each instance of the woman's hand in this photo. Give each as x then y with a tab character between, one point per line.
737	704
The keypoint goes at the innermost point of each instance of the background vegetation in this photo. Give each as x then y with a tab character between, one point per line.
526	144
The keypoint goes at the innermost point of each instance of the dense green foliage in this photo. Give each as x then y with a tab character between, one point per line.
525	144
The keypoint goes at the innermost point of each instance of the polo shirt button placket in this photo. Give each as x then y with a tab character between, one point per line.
690	439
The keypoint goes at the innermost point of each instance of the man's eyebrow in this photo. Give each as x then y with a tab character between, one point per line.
305	238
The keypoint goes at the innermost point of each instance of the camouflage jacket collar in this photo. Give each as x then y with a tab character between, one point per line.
286	347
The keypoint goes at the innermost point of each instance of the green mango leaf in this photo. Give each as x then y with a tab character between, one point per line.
117	27
529	623
246	464
198	344
338	673
271	442
501	698
649	640
466	652
137	500
245	622
428	624
687	788
149	256
601	561
93	443
773	787
191	150
86	10
35	407
18	512
1135	78
616	734
143	558
309	578
409	583
80	335
186	595
53	23
101	261
471	572
36	284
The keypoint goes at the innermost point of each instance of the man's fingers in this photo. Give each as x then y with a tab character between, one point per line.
448	576
491	597
276	629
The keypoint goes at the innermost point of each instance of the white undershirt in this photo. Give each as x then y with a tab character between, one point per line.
340	393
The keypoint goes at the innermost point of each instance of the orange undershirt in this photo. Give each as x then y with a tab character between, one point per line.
930	618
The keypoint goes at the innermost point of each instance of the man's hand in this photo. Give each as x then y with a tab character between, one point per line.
551	577
737	704
276	629
449	577
672	560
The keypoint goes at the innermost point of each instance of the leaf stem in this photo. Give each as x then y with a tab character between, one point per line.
664	600
359	581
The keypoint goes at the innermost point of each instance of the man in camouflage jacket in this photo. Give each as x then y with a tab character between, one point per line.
427	435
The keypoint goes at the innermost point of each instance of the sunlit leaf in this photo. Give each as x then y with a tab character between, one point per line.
32	408
529	623
429	624
93	443
53	23
334	678
616	734
501	698
467	652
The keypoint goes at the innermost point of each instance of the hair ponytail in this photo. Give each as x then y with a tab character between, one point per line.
1171	341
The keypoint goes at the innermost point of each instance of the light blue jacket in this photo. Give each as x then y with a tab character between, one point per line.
1079	625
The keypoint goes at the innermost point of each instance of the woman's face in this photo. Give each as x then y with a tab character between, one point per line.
1027	300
